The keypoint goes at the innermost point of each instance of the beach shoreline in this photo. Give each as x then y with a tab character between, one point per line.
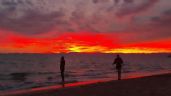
156	85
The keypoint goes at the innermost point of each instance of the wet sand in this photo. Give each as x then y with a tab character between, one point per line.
158	85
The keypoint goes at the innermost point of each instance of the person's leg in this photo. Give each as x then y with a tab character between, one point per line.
63	78
62	75
119	74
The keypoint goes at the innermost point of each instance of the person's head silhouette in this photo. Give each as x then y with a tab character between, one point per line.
62	57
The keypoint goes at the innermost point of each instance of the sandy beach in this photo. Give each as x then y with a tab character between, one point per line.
158	85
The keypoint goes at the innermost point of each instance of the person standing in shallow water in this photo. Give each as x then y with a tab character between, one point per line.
62	68
118	61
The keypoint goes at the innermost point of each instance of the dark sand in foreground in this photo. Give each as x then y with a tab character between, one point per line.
159	85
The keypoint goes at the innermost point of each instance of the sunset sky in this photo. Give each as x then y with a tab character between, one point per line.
107	26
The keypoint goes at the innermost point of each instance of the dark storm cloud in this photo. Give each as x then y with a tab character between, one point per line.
32	23
167	12
28	21
156	27
95	1
100	1
116	1
40	16
131	7
164	20
129	1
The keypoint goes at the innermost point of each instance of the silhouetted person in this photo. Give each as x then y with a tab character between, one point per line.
62	68
118	61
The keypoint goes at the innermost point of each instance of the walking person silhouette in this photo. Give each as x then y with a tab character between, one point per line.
62	69
118	61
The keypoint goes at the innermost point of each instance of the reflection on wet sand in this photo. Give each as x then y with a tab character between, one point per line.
50	88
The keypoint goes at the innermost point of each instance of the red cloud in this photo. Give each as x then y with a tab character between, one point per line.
81	42
62	43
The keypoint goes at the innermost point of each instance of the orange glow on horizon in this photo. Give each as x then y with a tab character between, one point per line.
92	49
89	43
88	49
139	50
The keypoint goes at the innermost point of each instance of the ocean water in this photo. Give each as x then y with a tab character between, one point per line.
24	71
